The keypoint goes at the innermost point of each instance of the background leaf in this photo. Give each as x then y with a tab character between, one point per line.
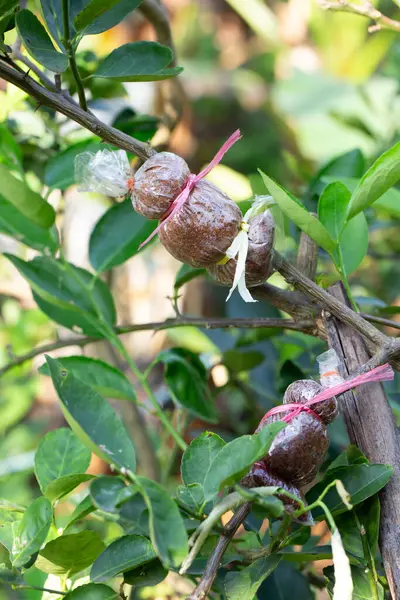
92	418
123	554
29	203
167	530
299	215
138	61
60	453
31	531
332	208
354	243
37	42
117	236
92	591
105	493
243	585
70	554
104	378
380	177
64	485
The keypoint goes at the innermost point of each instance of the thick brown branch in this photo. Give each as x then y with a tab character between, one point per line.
214	562
304	326
59	103
307	256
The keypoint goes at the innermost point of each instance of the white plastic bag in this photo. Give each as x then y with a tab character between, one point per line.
105	172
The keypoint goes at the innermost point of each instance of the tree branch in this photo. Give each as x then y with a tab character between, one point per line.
214	562
380	320
366	9
304	326
59	103
71	56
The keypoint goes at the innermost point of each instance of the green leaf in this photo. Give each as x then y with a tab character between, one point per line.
70	554
197	458
235	459
138	61
167	530
92	591
299	215
148	575
265	499
361	583
66	293
242	361
332	208
361	481
243	585
84	508
59	170
106	380
92	419
16	224
10	151
105	493
125	553
32	531
59	453
305	556
191	496
95	9
29	203
383	174
104	20
351	456
64	485
286	583
353	243
349	164
368	514
37	42
185	274
186	378
117	236
389	202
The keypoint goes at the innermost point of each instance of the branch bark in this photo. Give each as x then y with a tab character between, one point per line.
61	104
304	326
371	426
365	9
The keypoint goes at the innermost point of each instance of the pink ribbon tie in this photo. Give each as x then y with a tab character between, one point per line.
191	182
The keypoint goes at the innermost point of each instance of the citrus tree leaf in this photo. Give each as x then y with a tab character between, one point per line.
32	531
70	554
123	554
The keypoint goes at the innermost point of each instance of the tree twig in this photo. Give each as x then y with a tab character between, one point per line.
58	102
71	56
168	324
214	562
365	9
380	320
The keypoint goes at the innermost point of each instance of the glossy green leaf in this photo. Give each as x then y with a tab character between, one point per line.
59	170
197	458
332	208
134	515
105	493
95	9
84	508
32	531
138	61
167	530
29	203
305	556
92	591
38	43
299	215
235	459
70	554
66	294
353	243
368	514
125	553
361	482
243	585
349	164
148	575
238	361
361	583
59	453
16	224
92	419
265	501
117	236
65	485
185	274
186	378
389	202
286	583
379	178
107	380
351	456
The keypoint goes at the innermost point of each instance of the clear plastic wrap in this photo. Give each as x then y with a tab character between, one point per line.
105	172
328	363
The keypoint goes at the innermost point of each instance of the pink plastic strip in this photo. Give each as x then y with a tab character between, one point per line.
191	182
381	373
